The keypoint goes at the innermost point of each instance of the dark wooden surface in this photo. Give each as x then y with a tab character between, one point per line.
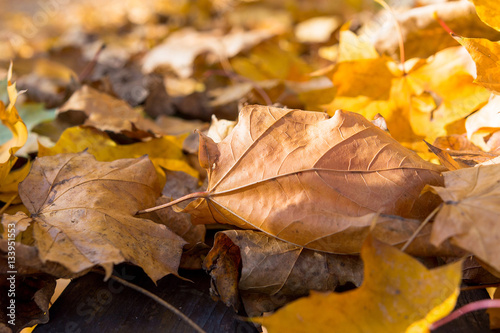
89	304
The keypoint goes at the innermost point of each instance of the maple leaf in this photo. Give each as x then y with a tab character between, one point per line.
398	294
10	118
469	216
82	214
267	272
420	102
164	152
312	180
488	11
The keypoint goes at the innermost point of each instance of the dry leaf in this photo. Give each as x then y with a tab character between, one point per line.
484	122
181	48
311	180
420	103
485	55
10	118
446	159
273	272
423	36
82	212
165	152
398	294
93	108
470	214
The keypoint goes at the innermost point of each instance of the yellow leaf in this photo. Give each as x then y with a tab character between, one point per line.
485	54
10	118
489	12
421	103
398	295
164	152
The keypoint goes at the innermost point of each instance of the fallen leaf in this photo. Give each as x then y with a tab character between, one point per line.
309	179
273	272
398	294
469	217
485	54
220	128
488	11
317	29
446	159
93	108
165	152
422	34
10	118
180	49
82	213
417	103
485	121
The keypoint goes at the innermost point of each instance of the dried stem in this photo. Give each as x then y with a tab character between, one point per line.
194	195
8	203
479	305
400	33
420	227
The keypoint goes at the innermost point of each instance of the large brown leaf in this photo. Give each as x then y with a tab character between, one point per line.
82	212
312	180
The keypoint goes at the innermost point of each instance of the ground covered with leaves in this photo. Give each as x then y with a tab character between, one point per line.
174	135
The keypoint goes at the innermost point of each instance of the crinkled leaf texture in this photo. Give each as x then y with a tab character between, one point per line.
398	294
83	210
470	216
312	180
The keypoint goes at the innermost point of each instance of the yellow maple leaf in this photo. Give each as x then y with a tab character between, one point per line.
10	118
423	101
164	152
398	294
489	12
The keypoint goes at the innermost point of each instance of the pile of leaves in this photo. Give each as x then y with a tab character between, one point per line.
394	165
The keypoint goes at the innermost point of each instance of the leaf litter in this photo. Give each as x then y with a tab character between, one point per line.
312	189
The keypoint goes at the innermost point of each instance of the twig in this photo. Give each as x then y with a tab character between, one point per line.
194	195
479	305
420	227
158	300
400	33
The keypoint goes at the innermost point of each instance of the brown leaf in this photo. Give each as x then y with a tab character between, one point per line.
310	179
470	215
82	212
273	272
446	159
93	108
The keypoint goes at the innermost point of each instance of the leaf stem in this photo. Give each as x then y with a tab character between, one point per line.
8	203
443	24
158	300
420	227
479	305
194	195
